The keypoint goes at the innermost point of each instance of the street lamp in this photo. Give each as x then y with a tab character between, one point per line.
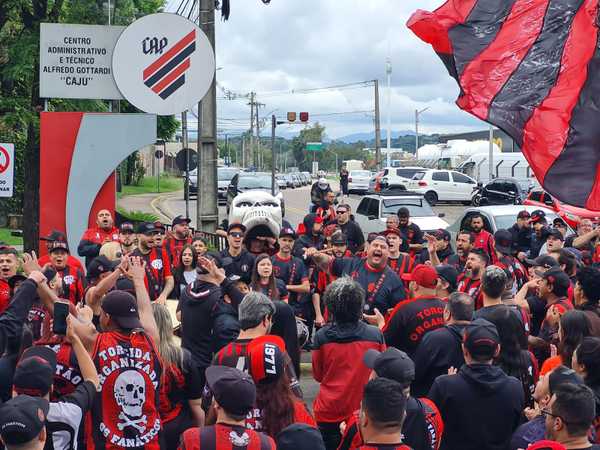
417	114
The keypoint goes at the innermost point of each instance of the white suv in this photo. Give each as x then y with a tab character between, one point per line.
398	176
443	185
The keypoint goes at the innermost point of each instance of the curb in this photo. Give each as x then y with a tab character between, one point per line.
160	209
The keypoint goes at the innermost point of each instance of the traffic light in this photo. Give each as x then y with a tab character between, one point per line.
303	117
291	117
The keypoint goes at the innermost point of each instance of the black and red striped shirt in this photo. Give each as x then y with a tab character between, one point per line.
173	247
472	287
158	268
74	284
225	437
402	264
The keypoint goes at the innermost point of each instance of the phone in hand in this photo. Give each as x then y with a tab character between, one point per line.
59	323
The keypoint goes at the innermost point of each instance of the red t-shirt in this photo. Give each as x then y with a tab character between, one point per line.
225	437
4	295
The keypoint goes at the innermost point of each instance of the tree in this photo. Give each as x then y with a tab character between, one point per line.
20	104
308	134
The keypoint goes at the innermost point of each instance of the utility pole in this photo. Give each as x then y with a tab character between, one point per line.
388	73
243	152
207	212
185	143
377	127
251	155
228	150
273	126
260	155
491	154
417	114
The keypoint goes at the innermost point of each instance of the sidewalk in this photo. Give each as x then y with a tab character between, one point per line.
152	203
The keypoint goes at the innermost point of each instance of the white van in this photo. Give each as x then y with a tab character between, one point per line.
504	165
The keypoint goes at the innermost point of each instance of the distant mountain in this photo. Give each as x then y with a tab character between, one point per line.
356	137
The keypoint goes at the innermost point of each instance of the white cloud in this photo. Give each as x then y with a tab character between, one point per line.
295	44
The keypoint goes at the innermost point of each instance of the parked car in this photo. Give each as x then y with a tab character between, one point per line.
193	187
358	181
501	191
373	210
307	176
496	217
289	179
281	182
398	176
251	181
443	185
224	176
570	214
297	180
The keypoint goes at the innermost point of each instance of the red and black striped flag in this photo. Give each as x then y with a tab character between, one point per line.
532	68
167	73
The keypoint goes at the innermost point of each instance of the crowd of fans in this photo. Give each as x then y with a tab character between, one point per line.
160	341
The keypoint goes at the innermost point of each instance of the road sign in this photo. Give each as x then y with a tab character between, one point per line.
181	158
76	61
158	154
314	146
163	63
7	169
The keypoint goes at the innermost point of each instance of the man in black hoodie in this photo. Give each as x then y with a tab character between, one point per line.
441	349
312	237
481	406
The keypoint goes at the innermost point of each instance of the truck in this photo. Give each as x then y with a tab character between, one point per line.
353	164
451	154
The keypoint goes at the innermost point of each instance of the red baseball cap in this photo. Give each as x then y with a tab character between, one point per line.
424	275
266	358
547	445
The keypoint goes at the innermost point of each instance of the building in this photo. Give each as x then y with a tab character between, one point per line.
503	140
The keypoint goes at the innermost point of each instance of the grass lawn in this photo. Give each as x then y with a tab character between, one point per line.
148	185
7	238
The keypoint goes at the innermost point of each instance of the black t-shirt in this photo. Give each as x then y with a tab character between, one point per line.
354	234
383	288
537	309
282	292
241	265
291	271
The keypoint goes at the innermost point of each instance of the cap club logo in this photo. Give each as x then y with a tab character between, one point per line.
163	64
167	74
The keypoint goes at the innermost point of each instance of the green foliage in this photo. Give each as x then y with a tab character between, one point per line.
309	134
7	237
137	216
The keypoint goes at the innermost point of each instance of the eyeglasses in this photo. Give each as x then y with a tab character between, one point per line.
544	412
236	234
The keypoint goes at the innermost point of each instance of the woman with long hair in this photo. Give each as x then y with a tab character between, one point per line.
573	326
185	273
263	279
276	405
181	385
200	245
513	359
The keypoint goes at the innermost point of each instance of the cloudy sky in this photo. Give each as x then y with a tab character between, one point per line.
301	44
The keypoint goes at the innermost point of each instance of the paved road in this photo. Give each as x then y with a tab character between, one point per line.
296	206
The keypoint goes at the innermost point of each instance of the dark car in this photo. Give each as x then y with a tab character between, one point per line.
251	181
503	191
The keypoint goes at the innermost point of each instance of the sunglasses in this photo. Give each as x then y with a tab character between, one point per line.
341	211
236	234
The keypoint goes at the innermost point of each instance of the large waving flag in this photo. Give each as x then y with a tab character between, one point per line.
532	68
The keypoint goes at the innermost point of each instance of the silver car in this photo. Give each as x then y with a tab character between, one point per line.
358	181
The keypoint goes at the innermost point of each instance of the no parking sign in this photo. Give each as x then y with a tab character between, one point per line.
7	169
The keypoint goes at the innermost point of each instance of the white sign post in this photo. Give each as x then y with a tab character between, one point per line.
163	64
7	169
76	61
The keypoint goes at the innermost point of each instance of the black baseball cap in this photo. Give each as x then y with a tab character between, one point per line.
504	241
159	226
299	436
233	389
126	227
339	239
58	245
146	228
555	234
556	277
122	308
22	418
235	225
99	265
34	373
562	375
372	236
544	261
393	364
287	232
15	279
481	338
537	215
449	274
179	220
442	235
55	235
524	214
